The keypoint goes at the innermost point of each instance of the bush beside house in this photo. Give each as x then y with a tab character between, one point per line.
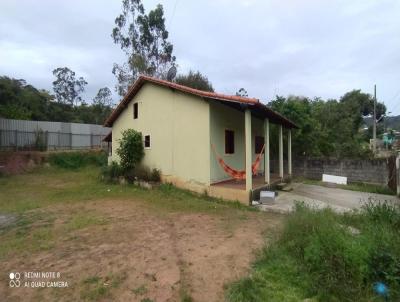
131	153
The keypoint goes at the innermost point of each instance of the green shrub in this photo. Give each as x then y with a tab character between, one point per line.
155	175
142	173
111	173
75	160
382	212
130	150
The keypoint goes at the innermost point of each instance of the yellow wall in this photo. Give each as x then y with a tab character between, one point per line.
179	128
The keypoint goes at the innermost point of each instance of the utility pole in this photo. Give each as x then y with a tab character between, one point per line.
374	121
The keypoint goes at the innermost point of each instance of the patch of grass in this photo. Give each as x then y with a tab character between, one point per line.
141	290
42	239
23	241
353	186
173	198
186	298
96	288
318	257
21	193
83	220
30	233
369	188
79	159
92	280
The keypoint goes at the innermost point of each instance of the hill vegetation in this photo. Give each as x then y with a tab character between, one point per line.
20	100
328	128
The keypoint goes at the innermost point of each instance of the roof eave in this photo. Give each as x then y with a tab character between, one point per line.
203	94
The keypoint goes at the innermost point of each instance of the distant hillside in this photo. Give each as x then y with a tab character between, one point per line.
392	122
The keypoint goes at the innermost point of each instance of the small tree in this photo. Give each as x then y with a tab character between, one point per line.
195	80
130	150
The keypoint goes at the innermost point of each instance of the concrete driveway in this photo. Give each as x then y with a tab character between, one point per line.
318	196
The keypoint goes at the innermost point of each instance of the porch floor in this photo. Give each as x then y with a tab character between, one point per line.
258	181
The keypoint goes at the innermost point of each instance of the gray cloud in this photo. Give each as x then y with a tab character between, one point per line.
310	47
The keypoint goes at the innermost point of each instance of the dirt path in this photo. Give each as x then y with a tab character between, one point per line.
140	254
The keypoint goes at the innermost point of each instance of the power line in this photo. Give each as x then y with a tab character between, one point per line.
173	13
395	107
393	98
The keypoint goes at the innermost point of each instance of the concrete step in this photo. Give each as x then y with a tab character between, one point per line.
283	186
287	188
268	197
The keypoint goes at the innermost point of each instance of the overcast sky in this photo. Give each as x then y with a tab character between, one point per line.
310	48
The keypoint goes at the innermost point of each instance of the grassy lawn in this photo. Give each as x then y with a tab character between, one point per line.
183	237
30	195
354	186
50	186
324	256
126	243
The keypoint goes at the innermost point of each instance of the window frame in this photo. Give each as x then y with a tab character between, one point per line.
233	141
144	141
135	110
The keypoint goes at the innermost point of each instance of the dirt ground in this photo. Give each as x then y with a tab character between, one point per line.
142	255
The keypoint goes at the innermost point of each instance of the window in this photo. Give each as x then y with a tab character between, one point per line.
135	111
229	142
147	141
259	144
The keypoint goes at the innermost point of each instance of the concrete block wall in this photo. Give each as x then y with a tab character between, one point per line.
374	171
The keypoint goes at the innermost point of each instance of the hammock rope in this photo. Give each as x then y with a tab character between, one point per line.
238	174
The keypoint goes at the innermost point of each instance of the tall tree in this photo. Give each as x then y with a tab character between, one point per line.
102	105
144	40
103	97
195	80
67	87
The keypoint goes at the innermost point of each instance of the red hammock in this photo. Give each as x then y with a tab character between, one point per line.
239	174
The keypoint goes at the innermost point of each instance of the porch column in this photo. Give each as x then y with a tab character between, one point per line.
281	151
247	134
290	152
266	152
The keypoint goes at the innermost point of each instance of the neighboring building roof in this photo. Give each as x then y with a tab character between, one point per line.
252	103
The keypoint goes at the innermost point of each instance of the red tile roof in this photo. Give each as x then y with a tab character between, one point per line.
252	102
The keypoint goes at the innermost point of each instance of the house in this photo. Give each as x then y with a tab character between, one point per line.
202	141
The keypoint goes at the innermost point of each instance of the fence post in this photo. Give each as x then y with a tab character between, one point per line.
47	140
58	140
70	140
16	140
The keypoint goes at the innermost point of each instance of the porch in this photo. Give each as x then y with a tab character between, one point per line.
240	150
257	182
233	189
